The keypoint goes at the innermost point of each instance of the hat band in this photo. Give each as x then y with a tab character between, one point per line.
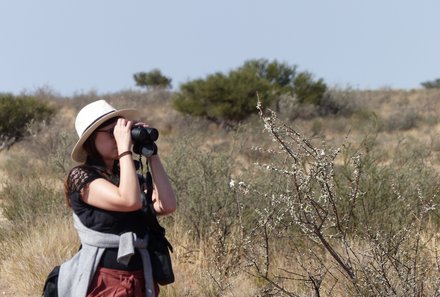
91	124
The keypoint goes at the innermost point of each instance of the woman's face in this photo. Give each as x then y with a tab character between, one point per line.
105	142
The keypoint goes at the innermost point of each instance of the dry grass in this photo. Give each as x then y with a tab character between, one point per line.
29	257
194	266
198	273
393	119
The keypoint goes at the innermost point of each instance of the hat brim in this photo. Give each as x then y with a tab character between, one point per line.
78	153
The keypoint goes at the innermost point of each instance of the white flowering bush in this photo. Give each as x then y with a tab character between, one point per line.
339	222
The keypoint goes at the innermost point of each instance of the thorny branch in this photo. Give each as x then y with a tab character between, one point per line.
387	264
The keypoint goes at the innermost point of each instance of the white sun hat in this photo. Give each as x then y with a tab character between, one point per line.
91	117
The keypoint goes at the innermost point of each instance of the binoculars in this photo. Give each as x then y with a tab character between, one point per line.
143	140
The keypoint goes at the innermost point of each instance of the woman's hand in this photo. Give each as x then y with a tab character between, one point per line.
122	133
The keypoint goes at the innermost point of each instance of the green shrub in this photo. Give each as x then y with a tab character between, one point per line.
307	90
232	97
222	98
433	84
279	75
153	79
16	113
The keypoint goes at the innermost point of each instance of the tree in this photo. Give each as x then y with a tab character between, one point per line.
16	113
277	74
221	98
152	80
232	97
307	90
434	84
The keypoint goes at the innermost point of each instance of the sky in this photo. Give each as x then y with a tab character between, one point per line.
79	46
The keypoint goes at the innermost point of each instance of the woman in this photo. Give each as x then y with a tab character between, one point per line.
104	192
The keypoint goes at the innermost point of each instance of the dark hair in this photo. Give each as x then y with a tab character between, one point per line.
93	156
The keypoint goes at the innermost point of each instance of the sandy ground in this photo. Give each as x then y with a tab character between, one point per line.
5	290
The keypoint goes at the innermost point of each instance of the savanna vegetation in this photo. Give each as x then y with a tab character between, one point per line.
334	194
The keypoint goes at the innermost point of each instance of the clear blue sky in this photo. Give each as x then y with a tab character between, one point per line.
75	46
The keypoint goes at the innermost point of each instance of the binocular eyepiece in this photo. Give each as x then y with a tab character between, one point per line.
143	140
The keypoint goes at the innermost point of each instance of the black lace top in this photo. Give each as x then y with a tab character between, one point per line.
102	220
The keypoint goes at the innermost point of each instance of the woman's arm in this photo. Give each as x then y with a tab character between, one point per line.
105	195
125	197
164	200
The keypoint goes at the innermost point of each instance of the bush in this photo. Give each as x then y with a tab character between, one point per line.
433	84
201	181
279	75
16	113
330	104
307	90
210	213
153	79
220	98
352	224
231	98
402	120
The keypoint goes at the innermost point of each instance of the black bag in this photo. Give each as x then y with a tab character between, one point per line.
159	249
158	246
50	288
